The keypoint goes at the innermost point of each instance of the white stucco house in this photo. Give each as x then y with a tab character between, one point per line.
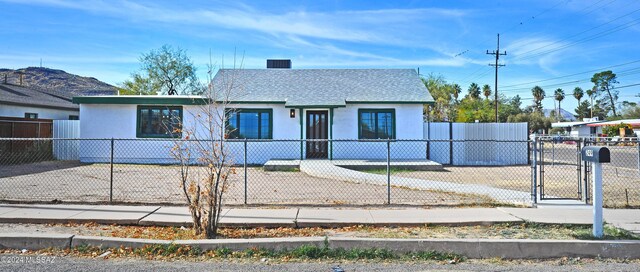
307	106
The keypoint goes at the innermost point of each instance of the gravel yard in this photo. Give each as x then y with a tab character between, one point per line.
75	182
621	186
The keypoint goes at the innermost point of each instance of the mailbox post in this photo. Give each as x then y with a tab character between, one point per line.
596	155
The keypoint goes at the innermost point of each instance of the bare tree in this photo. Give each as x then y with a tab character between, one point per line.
205	158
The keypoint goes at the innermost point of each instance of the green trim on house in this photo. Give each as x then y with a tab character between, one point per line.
391	102
393	117
170	100
301	133
139	133
254	110
330	134
316	106
155	100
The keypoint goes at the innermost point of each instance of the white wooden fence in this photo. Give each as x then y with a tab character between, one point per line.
477	143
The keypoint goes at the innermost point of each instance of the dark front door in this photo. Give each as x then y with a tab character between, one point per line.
317	134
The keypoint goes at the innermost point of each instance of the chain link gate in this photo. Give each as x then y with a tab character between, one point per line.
560	168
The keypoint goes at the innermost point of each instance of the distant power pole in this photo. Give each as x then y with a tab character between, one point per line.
497	54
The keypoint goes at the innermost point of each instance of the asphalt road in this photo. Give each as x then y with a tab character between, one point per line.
621	156
8	263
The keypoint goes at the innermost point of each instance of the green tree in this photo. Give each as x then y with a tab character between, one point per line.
441	93
455	91
592	93
163	71
578	93
583	110
536	120
474	91
630	110
559	95
138	85
538	96
486	91
509	107
605	81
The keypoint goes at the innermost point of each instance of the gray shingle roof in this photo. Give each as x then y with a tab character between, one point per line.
324	87
17	95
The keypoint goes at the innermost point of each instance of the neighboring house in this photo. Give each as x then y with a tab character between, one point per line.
23	102
635	124
299	104
580	128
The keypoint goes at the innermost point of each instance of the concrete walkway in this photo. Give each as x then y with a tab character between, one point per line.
326	169
311	217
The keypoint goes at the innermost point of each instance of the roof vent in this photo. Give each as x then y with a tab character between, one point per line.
278	64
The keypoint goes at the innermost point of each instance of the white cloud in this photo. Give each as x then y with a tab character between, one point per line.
384	26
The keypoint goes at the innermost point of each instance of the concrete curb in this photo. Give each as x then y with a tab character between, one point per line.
266	243
471	248
68	221
35	241
115	242
501	248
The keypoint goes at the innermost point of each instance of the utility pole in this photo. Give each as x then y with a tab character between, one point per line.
497	54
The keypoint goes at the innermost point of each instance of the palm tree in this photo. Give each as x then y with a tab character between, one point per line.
486	91
578	93
591	93
559	95
538	96
455	91
474	91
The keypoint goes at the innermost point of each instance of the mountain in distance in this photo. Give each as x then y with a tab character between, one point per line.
566	116
58	81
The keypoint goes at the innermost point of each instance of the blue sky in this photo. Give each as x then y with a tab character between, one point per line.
552	43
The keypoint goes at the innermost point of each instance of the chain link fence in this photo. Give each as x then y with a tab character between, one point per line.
272	172
561	173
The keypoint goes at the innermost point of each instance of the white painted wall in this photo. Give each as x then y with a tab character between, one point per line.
580	131
408	127
43	113
105	121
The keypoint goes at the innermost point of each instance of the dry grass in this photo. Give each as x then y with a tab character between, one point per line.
495	231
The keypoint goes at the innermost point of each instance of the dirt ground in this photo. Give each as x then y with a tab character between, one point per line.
75	182
71	181
621	186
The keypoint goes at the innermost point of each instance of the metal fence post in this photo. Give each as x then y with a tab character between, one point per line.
111	178
585	174
534	169
245	171
388	171
450	143
638	143
579	166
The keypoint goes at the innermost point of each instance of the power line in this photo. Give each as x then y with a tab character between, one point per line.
523	22
579	33
593	37
589	71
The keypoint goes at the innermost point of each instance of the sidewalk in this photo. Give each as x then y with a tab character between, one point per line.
312	217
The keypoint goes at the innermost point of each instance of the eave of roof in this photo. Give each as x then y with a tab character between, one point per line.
200	100
632	122
39	106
